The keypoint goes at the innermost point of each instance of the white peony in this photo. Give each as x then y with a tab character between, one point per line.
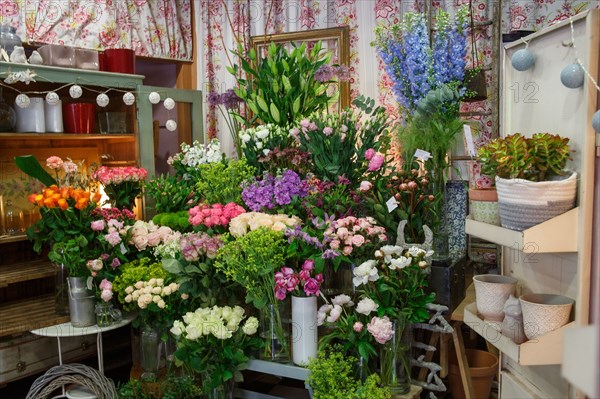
366	306
342	300
399	263
364	273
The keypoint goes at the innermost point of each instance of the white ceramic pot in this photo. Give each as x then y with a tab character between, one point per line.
31	119
543	313
54	117
491	293
523	204
304	329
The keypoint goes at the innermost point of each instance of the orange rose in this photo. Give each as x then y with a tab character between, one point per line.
63	204
49	203
64	192
97	197
81	203
32	198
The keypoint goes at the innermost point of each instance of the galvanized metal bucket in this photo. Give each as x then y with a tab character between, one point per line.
81	303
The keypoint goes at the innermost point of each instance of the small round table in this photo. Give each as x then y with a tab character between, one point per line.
66	330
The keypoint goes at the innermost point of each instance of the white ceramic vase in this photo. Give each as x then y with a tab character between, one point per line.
304	329
543	313
491	293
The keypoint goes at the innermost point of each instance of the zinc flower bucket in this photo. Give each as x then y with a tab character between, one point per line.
523	203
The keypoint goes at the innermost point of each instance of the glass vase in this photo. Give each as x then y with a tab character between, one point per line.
274	329
107	314
224	391
150	352
61	289
439	223
395	358
363	367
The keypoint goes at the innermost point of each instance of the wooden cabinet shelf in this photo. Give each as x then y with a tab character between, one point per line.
16	238
16	273
28	314
544	350
558	234
112	137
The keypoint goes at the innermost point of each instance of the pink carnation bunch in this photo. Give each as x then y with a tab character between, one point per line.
354	236
214	215
117	175
287	280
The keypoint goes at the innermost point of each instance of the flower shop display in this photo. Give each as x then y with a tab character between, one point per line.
122	184
532	183
215	344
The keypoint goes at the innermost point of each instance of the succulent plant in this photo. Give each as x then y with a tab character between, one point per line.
517	157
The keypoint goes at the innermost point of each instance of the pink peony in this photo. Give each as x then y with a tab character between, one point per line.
365	186
376	162
381	329
105	285
347	250
113	238
98	225
369	154
358	326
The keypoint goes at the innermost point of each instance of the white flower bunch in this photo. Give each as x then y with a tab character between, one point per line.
169	248
146	292
240	225
197	154
262	137
396	257
220	322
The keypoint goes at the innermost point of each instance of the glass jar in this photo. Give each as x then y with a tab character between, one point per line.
14	222
9	38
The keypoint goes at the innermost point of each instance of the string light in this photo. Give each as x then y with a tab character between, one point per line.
75	91
596	116
52	98
128	98
154	97
169	104
102	100
171	125
22	100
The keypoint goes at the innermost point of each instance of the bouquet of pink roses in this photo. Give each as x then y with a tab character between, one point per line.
215	217
356	238
121	184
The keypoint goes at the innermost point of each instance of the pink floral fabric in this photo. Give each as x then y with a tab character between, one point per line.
153	28
537	14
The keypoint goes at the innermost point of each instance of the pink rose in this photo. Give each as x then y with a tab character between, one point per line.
304	275
358	240
308	264
280	293
342	232
311	287
98	225
113	238
369	154
347	250
365	186
106	295
376	162
358	326
105	285
140	242
335	244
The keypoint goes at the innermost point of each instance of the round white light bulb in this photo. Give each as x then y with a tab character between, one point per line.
75	91
128	98
171	125
52	98
169	103
22	101
102	100
154	97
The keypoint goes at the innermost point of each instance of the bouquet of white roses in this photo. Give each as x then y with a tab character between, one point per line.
214	343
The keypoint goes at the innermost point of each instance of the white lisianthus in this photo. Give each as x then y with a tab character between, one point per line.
366	306
251	326
245	138
262	134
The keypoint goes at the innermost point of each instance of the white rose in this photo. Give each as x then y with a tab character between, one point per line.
128	299
177	328
366	306
259	145
238	228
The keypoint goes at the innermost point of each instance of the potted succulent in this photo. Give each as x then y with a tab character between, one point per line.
532	183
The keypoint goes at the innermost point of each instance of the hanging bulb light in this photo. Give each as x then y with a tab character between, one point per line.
169	103
22	100
52	98
596	121
128	98
522	59
75	91
572	76
171	125
154	97
102	100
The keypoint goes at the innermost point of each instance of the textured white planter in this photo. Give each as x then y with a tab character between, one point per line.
543	313
304	329
491	293
523	203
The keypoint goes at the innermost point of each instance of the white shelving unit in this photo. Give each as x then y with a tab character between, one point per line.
553	257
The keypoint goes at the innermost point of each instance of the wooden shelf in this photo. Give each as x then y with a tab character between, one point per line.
16	238
28	314
33	270
67	136
545	350
558	234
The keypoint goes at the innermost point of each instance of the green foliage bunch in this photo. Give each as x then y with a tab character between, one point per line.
251	261
538	158
73	254
221	182
178	220
331	377
170	194
281	88
172	387
338	142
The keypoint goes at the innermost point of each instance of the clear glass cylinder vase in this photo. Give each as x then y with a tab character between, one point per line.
274	329
61	289
150	352
224	391
395	358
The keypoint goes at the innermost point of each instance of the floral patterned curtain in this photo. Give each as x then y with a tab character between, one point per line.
153	28
222	23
